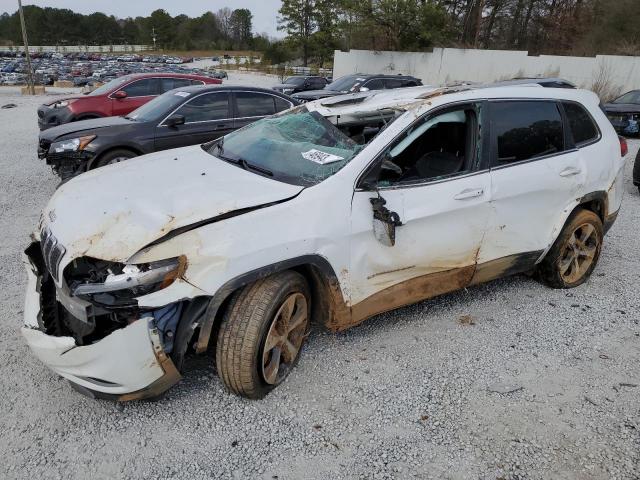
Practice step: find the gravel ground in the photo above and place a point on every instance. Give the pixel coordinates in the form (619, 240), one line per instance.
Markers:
(539, 384)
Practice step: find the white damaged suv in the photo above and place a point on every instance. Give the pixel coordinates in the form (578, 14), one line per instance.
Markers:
(328, 213)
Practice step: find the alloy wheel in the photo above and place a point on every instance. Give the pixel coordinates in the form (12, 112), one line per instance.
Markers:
(284, 338)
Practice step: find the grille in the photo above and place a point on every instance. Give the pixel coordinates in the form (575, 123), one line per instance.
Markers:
(52, 252)
(43, 148)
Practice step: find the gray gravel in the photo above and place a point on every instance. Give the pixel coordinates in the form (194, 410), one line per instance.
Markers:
(536, 384)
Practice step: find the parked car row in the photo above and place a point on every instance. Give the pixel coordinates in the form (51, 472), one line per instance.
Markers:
(87, 69)
(321, 213)
(185, 116)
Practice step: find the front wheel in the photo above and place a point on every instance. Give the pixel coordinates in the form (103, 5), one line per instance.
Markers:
(262, 333)
(114, 156)
(575, 253)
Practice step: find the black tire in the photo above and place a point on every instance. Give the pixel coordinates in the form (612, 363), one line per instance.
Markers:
(112, 156)
(636, 170)
(246, 324)
(562, 267)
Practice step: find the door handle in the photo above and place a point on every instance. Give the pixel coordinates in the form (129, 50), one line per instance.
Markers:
(469, 193)
(570, 171)
(221, 126)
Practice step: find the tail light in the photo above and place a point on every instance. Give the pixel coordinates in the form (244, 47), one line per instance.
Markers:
(624, 148)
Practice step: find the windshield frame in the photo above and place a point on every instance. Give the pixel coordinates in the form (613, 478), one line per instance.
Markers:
(109, 86)
(159, 100)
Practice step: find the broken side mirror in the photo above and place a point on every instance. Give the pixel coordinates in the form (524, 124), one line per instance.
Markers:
(384, 222)
(174, 120)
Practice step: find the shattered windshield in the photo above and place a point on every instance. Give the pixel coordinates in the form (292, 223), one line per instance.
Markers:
(299, 147)
(631, 97)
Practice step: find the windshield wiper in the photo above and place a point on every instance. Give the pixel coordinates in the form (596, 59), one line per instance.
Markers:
(242, 162)
(250, 166)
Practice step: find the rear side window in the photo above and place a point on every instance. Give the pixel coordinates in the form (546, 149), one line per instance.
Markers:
(318, 83)
(580, 123)
(252, 104)
(525, 130)
(167, 84)
(375, 84)
(281, 104)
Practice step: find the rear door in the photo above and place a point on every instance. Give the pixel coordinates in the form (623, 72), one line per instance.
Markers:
(207, 117)
(251, 106)
(138, 93)
(536, 174)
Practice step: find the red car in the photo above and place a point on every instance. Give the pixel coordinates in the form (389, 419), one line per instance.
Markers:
(117, 97)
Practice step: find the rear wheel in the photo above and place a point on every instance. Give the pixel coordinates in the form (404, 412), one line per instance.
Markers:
(262, 333)
(114, 156)
(575, 253)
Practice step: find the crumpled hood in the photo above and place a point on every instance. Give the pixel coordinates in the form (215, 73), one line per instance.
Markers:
(84, 127)
(112, 212)
(622, 108)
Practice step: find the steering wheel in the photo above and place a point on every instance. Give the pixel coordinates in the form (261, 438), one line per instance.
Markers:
(389, 165)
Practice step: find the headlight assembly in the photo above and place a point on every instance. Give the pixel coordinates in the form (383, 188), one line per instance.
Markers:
(63, 103)
(111, 283)
(72, 144)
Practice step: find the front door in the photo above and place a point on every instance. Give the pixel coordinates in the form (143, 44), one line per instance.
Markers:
(433, 183)
(138, 93)
(207, 117)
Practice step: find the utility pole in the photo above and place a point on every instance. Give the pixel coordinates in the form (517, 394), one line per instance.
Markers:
(26, 50)
(153, 36)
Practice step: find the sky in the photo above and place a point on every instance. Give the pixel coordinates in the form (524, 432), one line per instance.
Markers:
(265, 12)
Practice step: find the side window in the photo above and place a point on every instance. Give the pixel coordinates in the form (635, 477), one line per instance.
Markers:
(251, 104)
(523, 130)
(439, 146)
(394, 83)
(375, 84)
(205, 108)
(167, 84)
(281, 104)
(142, 88)
(580, 123)
(318, 83)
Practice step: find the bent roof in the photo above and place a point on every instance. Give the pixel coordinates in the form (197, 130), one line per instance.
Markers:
(414, 97)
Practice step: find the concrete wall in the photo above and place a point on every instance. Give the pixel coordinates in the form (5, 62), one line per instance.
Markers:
(449, 65)
(79, 48)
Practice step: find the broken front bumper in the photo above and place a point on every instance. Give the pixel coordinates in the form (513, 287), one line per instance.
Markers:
(128, 364)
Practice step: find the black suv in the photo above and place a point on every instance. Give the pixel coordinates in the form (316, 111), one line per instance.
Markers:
(178, 118)
(359, 82)
(300, 83)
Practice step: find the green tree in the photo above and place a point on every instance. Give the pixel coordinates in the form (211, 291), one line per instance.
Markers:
(298, 19)
(241, 24)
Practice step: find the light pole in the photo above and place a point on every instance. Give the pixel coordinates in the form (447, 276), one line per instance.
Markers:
(26, 50)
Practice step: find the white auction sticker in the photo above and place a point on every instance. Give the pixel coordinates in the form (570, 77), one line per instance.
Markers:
(182, 94)
(321, 157)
